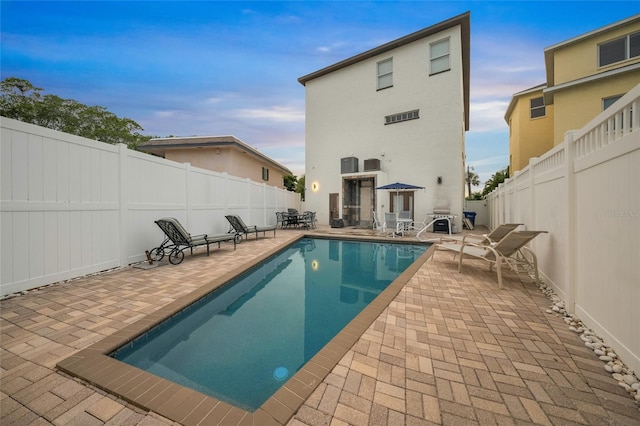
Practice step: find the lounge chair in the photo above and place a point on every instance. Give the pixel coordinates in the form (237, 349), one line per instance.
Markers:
(178, 240)
(510, 251)
(240, 228)
(491, 238)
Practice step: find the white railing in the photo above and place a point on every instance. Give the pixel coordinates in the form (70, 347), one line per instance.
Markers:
(585, 192)
(70, 206)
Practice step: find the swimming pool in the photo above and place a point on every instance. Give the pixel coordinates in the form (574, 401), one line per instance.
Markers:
(95, 366)
(242, 342)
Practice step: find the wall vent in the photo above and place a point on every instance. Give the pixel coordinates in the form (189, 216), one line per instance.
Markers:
(349, 165)
(371, 165)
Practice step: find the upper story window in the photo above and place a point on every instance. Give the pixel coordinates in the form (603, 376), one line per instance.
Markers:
(439, 57)
(538, 108)
(620, 49)
(265, 174)
(385, 73)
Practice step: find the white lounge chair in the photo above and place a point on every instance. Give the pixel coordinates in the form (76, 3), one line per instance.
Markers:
(491, 238)
(510, 251)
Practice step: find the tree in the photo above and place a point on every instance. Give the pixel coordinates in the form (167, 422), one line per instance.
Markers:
(471, 178)
(300, 187)
(290, 182)
(496, 179)
(22, 101)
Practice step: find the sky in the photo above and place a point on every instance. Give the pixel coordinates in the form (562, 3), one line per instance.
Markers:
(205, 68)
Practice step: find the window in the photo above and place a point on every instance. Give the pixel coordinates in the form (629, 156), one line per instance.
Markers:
(403, 116)
(607, 102)
(620, 49)
(385, 73)
(538, 108)
(265, 174)
(440, 57)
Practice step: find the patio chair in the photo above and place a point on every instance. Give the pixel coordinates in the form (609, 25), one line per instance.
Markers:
(392, 226)
(240, 228)
(282, 219)
(510, 251)
(178, 240)
(378, 226)
(308, 220)
(491, 238)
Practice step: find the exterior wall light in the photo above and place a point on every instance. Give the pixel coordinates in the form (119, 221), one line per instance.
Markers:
(439, 180)
(314, 186)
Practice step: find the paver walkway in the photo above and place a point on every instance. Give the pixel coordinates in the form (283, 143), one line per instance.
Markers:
(450, 349)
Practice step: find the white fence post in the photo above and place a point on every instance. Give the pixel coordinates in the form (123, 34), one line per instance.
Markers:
(187, 194)
(123, 256)
(532, 195)
(570, 221)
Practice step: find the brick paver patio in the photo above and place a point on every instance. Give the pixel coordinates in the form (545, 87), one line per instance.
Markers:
(450, 349)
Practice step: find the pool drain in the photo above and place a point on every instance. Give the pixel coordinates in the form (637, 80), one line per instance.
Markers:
(280, 373)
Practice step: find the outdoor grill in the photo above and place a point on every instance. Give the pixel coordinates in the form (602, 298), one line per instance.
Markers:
(442, 218)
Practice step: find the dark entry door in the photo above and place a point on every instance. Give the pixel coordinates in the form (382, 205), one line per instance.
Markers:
(333, 206)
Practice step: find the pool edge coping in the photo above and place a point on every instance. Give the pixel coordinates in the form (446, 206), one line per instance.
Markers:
(189, 407)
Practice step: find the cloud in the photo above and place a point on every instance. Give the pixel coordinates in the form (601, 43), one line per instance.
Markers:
(274, 113)
(487, 116)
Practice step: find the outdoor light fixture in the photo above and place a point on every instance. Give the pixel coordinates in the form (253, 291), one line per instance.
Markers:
(314, 186)
(439, 180)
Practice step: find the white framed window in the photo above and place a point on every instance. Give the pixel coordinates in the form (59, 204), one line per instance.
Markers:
(402, 116)
(619, 49)
(385, 73)
(538, 108)
(439, 57)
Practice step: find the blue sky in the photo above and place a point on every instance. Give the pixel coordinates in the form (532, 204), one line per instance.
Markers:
(220, 68)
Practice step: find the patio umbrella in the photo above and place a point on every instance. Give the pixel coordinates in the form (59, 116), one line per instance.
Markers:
(398, 186)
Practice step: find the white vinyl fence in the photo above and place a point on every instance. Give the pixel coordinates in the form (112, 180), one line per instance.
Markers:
(586, 194)
(71, 206)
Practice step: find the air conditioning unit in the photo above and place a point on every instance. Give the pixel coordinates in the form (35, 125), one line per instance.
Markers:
(349, 165)
(371, 165)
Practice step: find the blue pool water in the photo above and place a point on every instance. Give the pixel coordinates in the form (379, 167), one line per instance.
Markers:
(242, 342)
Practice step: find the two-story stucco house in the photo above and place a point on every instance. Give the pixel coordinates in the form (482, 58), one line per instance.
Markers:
(585, 75)
(395, 113)
(226, 154)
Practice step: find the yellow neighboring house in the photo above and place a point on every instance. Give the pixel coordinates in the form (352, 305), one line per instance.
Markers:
(219, 154)
(585, 75)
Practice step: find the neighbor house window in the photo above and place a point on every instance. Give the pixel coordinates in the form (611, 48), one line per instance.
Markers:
(538, 108)
(402, 116)
(385, 73)
(607, 102)
(440, 56)
(620, 49)
(265, 173)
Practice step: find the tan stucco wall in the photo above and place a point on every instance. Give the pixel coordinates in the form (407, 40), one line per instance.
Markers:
(234, 162)
(529, 137)
(580, 59)
(576, 106)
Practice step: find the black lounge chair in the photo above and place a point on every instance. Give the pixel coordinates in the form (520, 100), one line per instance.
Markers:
(178, 240)
(241, 229)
